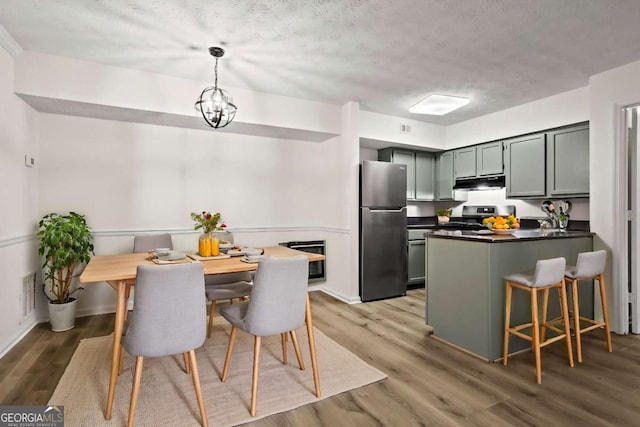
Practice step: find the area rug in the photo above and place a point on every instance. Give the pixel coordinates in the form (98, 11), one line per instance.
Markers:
(167, 397)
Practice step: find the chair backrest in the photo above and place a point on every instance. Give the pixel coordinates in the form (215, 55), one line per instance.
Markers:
(145, 243)
(170, 313)
(591, 264)
(549, 271)
(279, 295)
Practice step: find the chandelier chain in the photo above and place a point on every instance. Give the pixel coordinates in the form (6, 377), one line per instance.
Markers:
(216, 74)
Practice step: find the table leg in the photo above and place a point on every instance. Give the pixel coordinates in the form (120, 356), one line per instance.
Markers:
(312, 346)
(120, 287)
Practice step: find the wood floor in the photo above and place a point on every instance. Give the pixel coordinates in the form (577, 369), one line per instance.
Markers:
(429, 383)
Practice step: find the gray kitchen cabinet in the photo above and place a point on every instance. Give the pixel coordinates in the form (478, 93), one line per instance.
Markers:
(568, 162)
(445, 180)
(444, 176)
(464, 162)
(416, 261)
(489, 159)
(425, 174)
(420, 171)
(524, 162)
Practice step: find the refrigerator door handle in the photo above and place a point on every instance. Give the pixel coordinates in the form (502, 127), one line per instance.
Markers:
(386, 210)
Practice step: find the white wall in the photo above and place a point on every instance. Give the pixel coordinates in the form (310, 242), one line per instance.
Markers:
(555, 111)
(18, 211)
(609, 92)
(380, 130)
(129, 178)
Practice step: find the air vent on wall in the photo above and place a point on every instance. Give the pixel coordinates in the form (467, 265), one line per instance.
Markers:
(405, 128)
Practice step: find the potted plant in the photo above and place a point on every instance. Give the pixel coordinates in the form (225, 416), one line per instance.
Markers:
(65, 243)
(444, 214)
(208, 243)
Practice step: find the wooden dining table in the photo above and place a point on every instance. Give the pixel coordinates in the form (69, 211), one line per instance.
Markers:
(119, 271)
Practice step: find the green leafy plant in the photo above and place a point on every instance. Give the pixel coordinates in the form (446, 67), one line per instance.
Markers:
(207, 222)
(65, 243)
(444, 212)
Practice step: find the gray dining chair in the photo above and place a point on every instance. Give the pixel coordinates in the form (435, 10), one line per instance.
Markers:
(276, 306)
(145, 243)
(227, 286)
(168, 319)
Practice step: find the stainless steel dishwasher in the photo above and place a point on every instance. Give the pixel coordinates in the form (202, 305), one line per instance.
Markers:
(416, 258)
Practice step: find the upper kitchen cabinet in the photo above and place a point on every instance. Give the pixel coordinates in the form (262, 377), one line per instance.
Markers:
(568, 162)
(479, 160)
(420, 171)
(464, 163)
(524, 162)
(489, 159)
(445, 180)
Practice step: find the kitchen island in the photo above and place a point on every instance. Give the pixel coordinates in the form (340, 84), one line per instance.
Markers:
(466, 293)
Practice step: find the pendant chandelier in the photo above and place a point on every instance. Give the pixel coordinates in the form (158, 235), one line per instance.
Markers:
(215, 104)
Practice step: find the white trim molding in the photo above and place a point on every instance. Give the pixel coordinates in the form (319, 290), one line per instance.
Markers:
(11, 241)
(8, 43)
(130, 232)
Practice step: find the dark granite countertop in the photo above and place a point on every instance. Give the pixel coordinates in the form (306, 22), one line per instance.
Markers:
(518, 235)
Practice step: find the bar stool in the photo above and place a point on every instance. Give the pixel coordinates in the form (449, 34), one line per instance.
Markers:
(548, 274)
(590, 266)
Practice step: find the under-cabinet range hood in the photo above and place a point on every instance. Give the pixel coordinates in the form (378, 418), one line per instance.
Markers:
(482, 183)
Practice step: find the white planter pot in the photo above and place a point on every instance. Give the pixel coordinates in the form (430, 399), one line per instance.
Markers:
(62, 316)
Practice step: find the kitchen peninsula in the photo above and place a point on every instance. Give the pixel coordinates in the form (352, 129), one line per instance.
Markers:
(466, 292)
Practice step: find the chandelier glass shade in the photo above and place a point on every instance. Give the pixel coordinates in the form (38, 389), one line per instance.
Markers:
(215, 104)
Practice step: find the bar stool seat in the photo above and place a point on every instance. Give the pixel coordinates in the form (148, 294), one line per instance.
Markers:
(590, 266)
(548, 274)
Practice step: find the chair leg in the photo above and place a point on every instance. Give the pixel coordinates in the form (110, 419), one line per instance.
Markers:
(134, 390)
(507, 320)
(605, 311)
(565, 320)
(227, 360)
(212, 312)
(296, 347)
(196, 385)
(283, 338)
(187, 365)
(576, 318)
(535, 332)
(254, 382)
(545, 306)
(120, 360)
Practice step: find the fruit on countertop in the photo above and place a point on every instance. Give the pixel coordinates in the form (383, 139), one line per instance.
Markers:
(501, 222)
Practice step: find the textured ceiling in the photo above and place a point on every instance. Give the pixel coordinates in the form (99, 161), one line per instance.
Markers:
(385, 54)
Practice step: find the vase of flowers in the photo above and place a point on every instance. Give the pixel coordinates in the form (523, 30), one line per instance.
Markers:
(208, 244)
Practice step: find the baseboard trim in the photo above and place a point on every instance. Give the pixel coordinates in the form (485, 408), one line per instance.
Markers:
(337, 295)
(13, 342)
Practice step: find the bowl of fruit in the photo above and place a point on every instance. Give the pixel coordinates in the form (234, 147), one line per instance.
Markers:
(502, 224)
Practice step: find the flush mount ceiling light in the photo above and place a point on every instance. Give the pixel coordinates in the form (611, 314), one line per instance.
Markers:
(214, 104)
(438, 105)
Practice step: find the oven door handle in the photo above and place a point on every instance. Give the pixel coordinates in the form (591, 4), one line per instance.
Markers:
(306, 246)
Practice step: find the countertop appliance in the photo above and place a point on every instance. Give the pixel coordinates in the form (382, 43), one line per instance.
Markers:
(317, 269)
(383, 230)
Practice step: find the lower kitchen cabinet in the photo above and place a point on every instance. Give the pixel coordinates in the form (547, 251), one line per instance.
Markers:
(466, 291)
(416, 257)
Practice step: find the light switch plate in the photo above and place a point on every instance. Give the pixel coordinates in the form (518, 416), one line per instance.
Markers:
(29, 161)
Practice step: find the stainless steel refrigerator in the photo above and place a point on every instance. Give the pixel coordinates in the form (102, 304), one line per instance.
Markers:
(383, 230)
